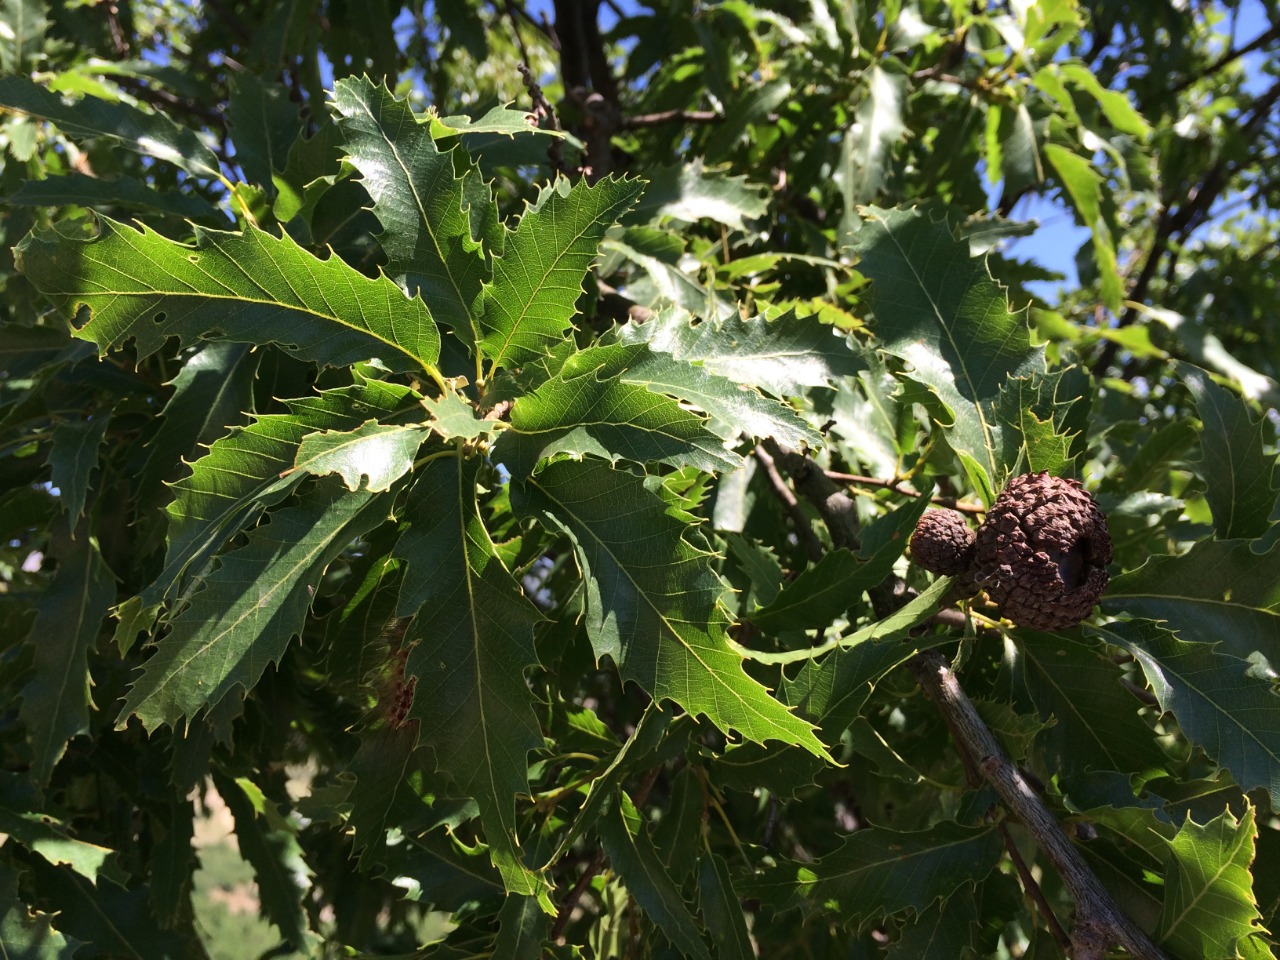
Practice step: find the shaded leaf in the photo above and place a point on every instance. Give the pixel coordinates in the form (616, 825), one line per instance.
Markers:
(836, 582)
(1209, 910)
(46, 835)
(276, 858)
(1218, 590)
(1095, 719)
(722, 910)
(426, 200)
(249, 287)
(538, 278)
(26, 933)
(55, 702)
(878, 872)
(382, 767)
(1235, 465)
(1219, 704)
(653, 600)
(264, 126)
(472, 642)
(85, 191)
(211, 393)
(249, 607)
(1042, 418)
(115, 922)
(522, 927)
(631, 853)
(940, 310)
(150, 134)
(74, 456)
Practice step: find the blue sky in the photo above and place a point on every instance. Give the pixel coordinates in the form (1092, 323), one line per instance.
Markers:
(1054, 245)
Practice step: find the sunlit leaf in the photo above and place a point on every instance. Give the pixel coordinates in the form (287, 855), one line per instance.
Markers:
(653, 599)
(939, 310)
(538, 278)
(249, 287)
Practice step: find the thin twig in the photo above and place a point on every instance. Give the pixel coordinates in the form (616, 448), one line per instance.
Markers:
(571, 901)
(669, 116)
(1099, 920)
(1257, 43)
(1032, 888)
(897, 486)
(804, 530)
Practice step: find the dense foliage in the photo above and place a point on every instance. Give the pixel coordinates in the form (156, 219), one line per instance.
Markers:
(476, 446)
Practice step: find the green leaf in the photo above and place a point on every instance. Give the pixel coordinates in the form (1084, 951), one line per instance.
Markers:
(653, 600)
(658, 253)
(382, 453)
(538, 278)
(878, 872)
(150, 134)
(454, 418)
(276, 857)
(499, 120)
(1095, 718)
(877, 128)
(1235, 465)
(722, 910)
(383, 768)
(242, 472)
(1209, 910)
(249, 607)
(210, 394)
(264, 126)
(739, 407)
(942, 932)
(55, 701)
(782, 355)
(86, 191)
(44, 834)
(427, 201)
(22, 39)
(940, 310)
(835, 583)
(1115, 104)
(26, 933)
(691, 193)
(1040, 418)
(73, 457)
(1084, 186)
(522, 927)
(1220, 706)
(631, 853)
(1218, 590)
(473, 642)
(248, 287)
(584, 411)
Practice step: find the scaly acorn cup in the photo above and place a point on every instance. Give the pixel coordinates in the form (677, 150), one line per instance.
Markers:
(1042, 552)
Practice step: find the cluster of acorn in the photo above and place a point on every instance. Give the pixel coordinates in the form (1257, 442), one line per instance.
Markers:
(1041, 554)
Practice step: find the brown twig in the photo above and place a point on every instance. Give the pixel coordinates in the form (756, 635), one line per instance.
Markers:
(897, 486)
(1099, 920)
(1032, 889)
(804, 530)
(597, 862)
(1183, 220)
(1229, 56)
(670, 116)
